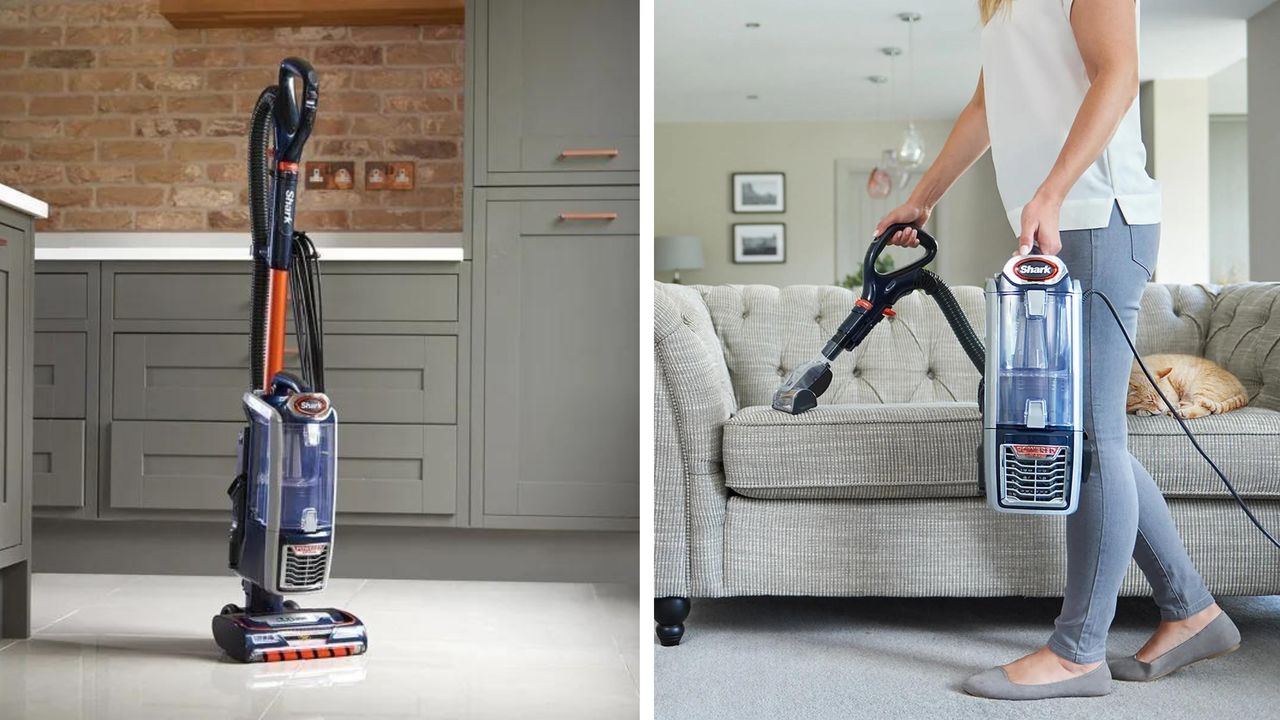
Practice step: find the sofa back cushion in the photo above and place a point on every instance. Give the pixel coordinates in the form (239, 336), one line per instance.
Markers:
(914, 357)
(1172, 318)
(766, 331)
(1244, 337)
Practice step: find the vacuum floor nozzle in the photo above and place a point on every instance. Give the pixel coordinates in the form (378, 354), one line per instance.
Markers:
(292, 634)
(799, 392)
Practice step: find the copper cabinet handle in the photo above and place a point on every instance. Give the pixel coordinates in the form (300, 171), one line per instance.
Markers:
(605, 216)
(589, 153)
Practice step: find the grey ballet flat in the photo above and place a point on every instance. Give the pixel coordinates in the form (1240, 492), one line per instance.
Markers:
(1220, 637)
(996, 685)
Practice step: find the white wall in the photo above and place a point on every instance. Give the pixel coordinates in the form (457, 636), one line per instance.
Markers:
(693, 162)
(1264, 144)
(1228, 198)
(1176, 129)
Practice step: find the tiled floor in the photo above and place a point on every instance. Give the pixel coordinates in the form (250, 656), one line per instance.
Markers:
(139, 647)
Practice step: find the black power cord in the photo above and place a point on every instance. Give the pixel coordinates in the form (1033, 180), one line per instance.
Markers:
(308, 312)
(1181, 423)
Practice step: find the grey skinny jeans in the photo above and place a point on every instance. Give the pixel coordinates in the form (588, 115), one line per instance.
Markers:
(1122, 514)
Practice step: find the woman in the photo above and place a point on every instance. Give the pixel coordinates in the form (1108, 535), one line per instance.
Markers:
(1057, 104)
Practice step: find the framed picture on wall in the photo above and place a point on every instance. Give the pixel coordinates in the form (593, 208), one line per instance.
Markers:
(759, 243)
(759, 192)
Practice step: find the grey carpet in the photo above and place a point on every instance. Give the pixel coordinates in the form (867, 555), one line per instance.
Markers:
(893, 658)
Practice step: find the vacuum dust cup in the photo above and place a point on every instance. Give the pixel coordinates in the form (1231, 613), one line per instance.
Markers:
(1033, 434)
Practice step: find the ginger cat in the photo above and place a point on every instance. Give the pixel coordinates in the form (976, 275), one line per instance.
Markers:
(1198, 387)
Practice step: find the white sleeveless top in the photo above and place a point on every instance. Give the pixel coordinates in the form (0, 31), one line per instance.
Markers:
(1035, 82)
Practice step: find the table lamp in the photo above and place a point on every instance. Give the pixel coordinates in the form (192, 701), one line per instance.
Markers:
(677, 252)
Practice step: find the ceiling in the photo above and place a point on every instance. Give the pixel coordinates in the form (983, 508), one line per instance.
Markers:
(809, 59)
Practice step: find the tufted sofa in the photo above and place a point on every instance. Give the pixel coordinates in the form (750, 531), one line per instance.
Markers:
(874, 492)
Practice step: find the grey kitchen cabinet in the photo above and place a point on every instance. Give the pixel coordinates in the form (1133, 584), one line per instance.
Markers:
(175, 361)
(556, 92)
(17, 400)
(65, 448)
(560, 417)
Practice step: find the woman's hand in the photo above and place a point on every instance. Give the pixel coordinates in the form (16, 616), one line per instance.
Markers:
(1040, 224)
(909, 212)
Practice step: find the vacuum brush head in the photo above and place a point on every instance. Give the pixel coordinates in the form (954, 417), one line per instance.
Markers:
(800, 390)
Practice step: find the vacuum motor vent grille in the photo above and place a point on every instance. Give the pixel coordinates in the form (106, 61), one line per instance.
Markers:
(304, 570)
(1034, 479)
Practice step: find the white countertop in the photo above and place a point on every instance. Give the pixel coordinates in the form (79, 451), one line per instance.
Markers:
(23, 202)
(360, 246)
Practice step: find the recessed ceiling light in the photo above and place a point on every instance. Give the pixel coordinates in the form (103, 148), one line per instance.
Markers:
(753, 25)
(753, 97)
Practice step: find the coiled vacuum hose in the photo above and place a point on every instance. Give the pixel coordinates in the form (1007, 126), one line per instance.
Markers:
(260, 130)
(969, 341)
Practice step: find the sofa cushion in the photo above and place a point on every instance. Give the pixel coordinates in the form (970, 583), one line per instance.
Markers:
(924, 450)
(854, 451)
(1244, 443)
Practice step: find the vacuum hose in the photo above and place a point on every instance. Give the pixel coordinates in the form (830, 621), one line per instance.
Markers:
(969, 340)
(260, 130)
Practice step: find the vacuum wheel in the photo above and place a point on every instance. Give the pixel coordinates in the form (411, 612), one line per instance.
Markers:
(291, 605)
(230, 609)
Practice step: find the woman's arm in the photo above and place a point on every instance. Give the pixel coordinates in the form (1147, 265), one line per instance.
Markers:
(1107, 35)
(966, 143)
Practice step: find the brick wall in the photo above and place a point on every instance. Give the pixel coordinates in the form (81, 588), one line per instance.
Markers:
(121, 122)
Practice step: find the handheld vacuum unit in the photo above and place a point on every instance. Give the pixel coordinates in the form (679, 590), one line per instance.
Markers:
(283, 499)
(1033, 449)
(1032, 427)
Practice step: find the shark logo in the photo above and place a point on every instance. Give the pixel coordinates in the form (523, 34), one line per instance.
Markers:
(1036, 269)
(288, 206)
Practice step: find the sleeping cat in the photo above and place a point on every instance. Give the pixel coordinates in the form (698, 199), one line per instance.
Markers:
(1197, 386)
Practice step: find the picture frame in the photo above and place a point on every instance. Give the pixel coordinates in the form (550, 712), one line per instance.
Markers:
(760, 242)
(759, 192)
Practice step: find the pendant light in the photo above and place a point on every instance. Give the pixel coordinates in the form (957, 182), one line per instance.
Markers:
(889, 158)
(881, 181)
(911, 150)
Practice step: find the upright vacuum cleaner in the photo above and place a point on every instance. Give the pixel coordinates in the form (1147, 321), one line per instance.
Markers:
(283, 499)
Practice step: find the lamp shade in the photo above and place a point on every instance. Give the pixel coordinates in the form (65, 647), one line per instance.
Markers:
(677, 252)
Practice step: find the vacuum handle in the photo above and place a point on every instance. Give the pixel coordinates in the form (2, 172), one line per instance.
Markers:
(294, 120)
(878, 245)
(879, 291)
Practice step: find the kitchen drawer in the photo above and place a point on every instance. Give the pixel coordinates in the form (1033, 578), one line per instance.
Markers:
(579, 217)
(60, 374)
(371, 378)
(402, 469)
(62, 296)
(355, 297)
(57, 476)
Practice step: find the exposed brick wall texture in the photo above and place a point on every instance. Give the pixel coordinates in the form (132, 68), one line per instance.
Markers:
(121, 122)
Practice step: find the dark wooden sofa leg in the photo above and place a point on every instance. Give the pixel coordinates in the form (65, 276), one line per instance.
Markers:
(669, 613)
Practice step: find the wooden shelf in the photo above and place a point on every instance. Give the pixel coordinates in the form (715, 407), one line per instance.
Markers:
(290, 13)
